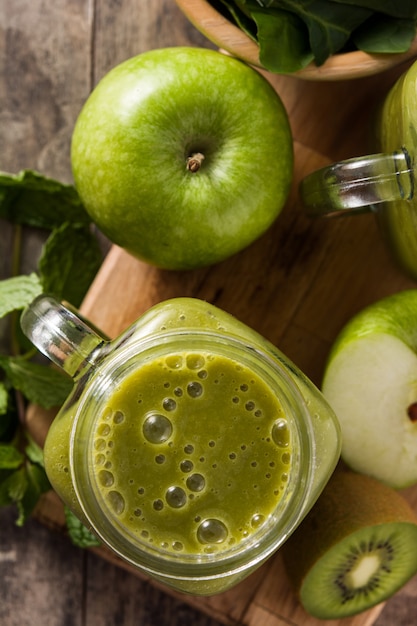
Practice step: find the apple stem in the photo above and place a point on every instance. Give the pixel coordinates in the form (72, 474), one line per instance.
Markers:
(195, 161)
(412, 412)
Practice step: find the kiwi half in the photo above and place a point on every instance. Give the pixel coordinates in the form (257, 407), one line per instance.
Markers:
(355, 549)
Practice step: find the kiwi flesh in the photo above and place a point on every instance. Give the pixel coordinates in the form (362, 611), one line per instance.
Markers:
(355, 549)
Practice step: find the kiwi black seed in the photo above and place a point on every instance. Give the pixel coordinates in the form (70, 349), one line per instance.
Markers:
(355, 549)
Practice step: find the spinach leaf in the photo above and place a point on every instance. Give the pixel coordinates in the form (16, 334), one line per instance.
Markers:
(329, 24)
(381, 34)
(283, 40)
(238, 12)
(406, 9)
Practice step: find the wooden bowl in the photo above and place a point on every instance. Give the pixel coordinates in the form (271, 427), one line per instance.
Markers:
(225, 35)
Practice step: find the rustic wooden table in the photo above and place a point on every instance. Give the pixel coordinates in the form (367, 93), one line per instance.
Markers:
(51, 55)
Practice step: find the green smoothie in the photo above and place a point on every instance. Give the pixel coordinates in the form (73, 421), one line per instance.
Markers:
(190, 444)
(192, 452)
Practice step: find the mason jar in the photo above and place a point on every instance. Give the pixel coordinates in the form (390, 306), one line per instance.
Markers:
(190, 445)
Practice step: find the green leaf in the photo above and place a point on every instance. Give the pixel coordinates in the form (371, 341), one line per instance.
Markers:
(18, 292)
(34, 452)
(329, 24)
(385, 35)
(4, 399)
(8, 417)
(10, 457)
(239, 13)
(37, 484)
(12, 488)
(32, 199)
(40, 384)
(406, 9)
(69, 262)
(283, 40)
(79, 534)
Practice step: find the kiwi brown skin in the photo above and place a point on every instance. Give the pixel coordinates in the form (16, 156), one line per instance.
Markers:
(352, 511)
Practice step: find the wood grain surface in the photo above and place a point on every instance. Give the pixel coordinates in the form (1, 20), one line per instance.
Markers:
(297, 286)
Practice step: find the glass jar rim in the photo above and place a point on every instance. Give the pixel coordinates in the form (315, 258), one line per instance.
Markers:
(261, 543)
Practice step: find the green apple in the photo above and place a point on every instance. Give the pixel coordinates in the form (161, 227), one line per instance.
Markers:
(183, 156)
(370, 381)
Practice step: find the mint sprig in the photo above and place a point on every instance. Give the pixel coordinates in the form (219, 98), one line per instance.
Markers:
(68, 261)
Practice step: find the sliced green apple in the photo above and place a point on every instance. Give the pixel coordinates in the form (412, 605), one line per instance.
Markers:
(371, 382)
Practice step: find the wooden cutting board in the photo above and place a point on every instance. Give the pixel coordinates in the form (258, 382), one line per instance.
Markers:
(297, 285)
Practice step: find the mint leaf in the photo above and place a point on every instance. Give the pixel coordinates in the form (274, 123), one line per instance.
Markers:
(79, 534)
(10, 457)
(34, 452)
(69, 262)
(8, 418)
(37, 484)
(18, 292)
(13, 487)
(41, 385)
(4, 399)
(32, 199)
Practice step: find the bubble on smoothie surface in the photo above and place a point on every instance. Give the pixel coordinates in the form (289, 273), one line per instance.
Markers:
(280, 433)
(157, 428)
(194, 389)
(212, 531)
(118, 417)
(174, 362)
(195, 361)
(186, 466)
(176, 497)
(100, 459)
(169, 404)
(257, 520)
(196, 482)
(116, 502)
(103, 430)
(106, 478)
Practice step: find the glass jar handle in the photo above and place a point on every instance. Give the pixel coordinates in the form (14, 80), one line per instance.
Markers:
(60, 335)
(355, 185)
